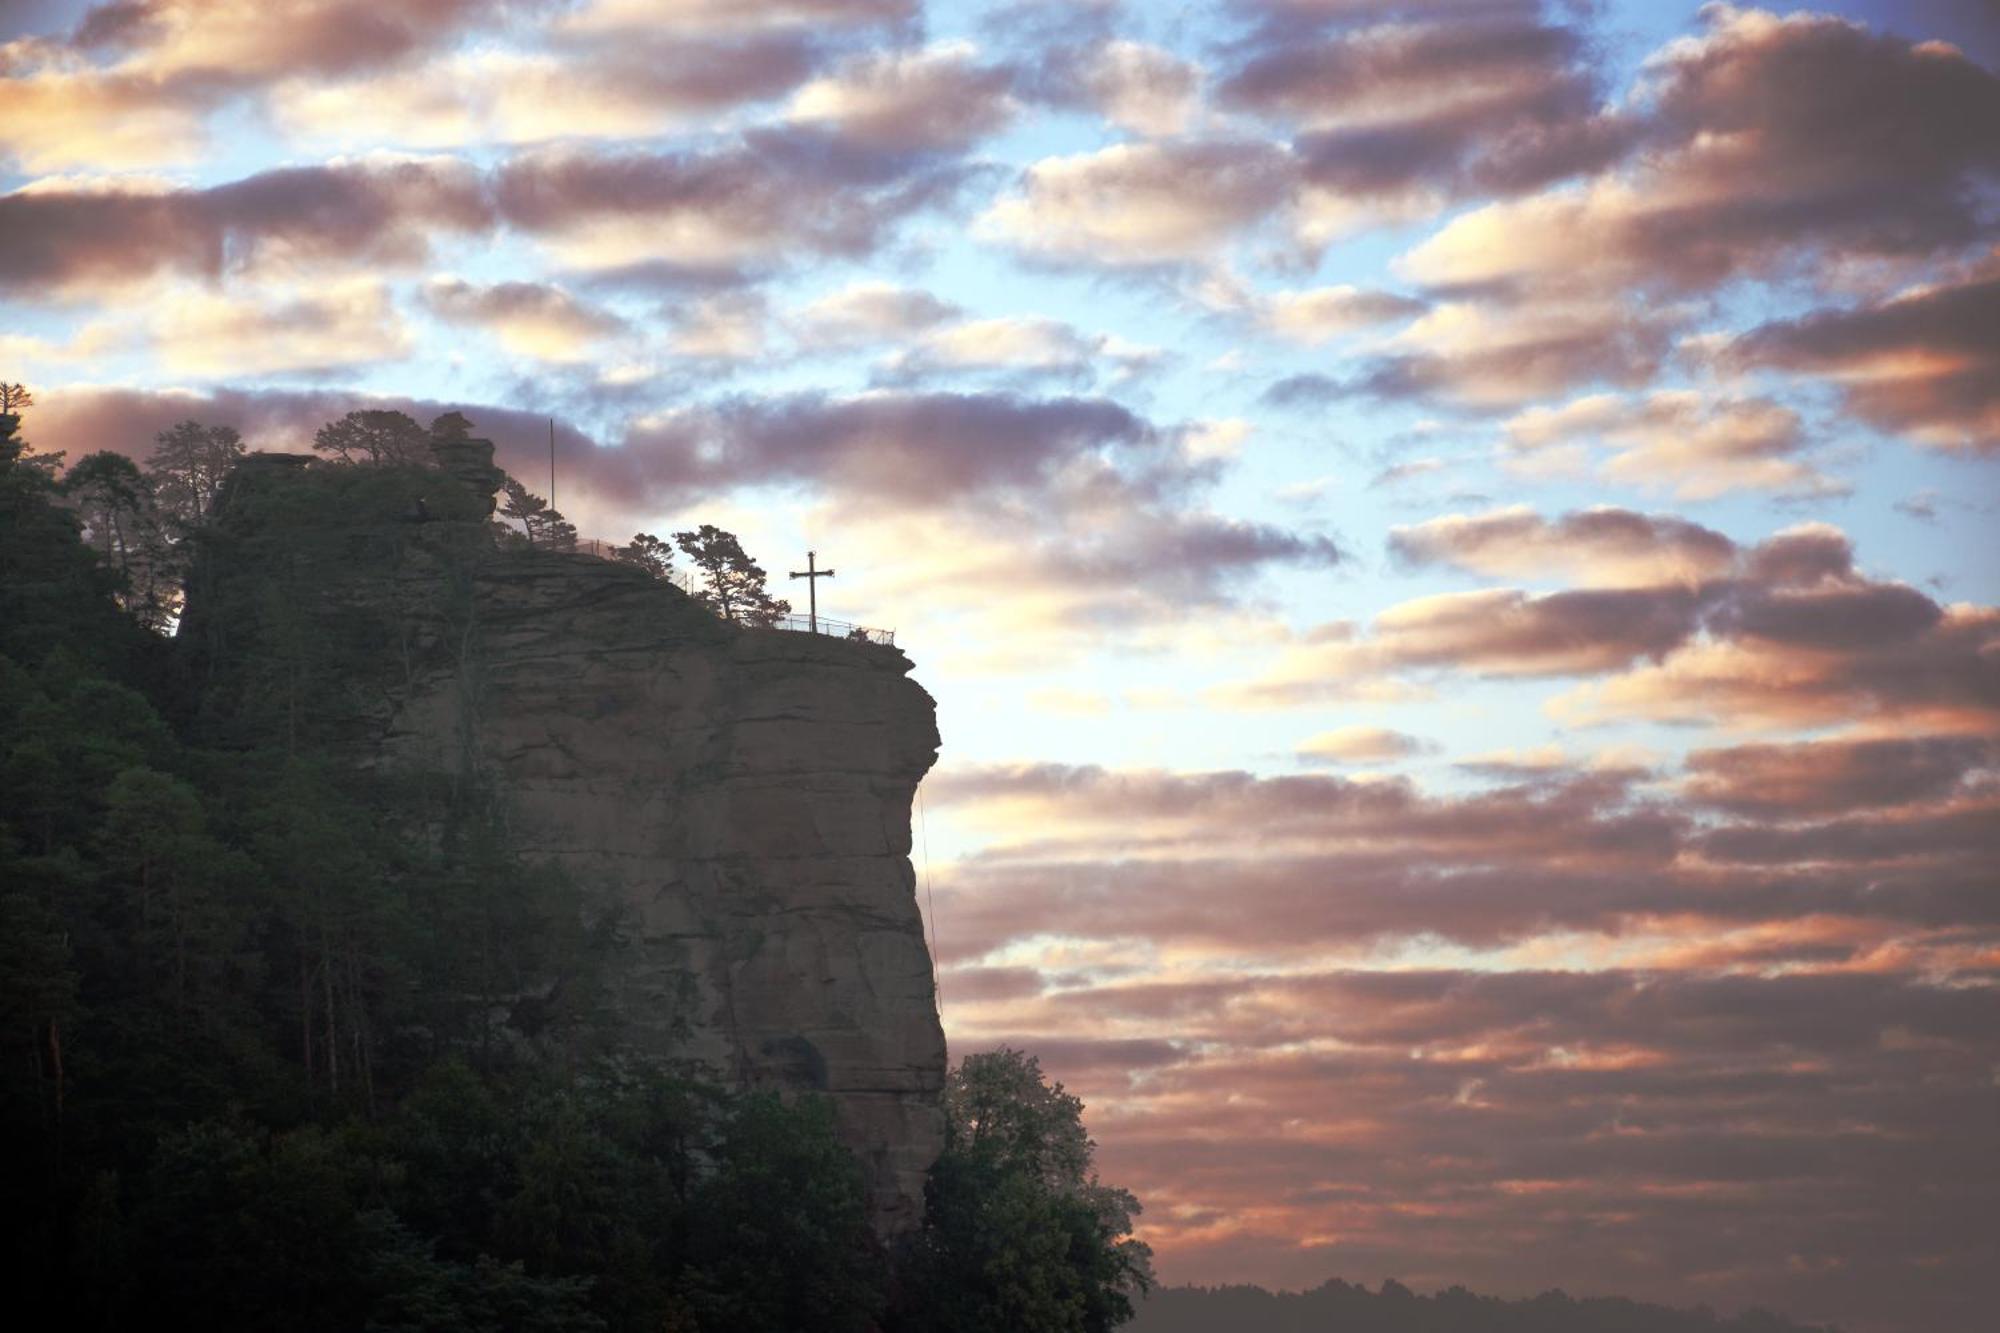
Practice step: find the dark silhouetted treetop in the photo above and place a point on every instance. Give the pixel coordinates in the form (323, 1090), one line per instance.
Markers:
(732, 584)
(375, 435)
(123, 522)
(188, 466)
(55, 594)
(14, 447)
(542, 527)
(648, 553)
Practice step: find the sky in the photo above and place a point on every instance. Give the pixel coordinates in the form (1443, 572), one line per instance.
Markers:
(1452, 541)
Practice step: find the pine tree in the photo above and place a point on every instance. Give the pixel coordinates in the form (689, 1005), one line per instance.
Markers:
(732, 583)
(648, 553)
(188, 467)
(544, 528)
(375, 436)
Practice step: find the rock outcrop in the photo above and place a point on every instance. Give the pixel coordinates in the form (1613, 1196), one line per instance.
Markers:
(740, 798)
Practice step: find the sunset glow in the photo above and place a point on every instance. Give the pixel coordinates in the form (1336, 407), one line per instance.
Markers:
(1454, 541)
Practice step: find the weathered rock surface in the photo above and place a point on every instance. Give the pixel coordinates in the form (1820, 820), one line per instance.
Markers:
(742, 796)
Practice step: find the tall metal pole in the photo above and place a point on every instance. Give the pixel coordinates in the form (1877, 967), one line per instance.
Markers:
(552, 462)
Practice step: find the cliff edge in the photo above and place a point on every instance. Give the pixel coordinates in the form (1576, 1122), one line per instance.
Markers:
(737, 801)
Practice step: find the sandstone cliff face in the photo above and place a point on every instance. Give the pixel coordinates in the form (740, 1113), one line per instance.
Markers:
(740, 797)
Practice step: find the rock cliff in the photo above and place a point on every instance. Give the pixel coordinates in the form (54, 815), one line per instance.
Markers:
(738, 800)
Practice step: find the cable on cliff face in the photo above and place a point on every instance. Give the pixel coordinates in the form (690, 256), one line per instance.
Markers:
(930, 905)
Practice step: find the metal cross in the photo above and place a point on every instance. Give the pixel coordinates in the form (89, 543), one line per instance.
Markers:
(811, 576)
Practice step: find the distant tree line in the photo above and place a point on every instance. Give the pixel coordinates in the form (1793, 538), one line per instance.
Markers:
(287, 1045)
(1341, 1307)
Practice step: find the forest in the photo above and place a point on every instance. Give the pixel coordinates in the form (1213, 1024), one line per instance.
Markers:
(279, 1050)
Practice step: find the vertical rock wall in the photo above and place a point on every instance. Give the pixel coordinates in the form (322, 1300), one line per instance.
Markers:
(742, 797)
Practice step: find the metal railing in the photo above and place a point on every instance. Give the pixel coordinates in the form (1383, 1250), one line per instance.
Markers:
(838, 629)
(795, 621)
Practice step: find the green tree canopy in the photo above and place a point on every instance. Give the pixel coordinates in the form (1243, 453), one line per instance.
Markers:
(1020, 1234)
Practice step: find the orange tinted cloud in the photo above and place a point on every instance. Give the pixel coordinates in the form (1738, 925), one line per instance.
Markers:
(1926, 362)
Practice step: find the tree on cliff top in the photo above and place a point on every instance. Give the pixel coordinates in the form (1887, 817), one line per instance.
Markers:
(374, 435)
(732, 583)
(649, 553)
(188, 467)
(544, 528)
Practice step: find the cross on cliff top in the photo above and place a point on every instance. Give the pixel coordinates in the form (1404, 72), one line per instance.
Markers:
(812, 577)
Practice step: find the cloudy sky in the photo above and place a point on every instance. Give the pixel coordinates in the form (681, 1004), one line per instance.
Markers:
(1453, 541)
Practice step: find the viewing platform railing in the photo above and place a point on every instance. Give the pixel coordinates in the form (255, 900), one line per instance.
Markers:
(798, 622)
(838, 629)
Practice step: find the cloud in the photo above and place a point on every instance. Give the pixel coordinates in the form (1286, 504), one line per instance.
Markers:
(1315, 315)
(1902, 660)
(1441, 1033)
(1604, 547)
(1411, 114)
(137, 91)
(1141, 88)
(623, 17)
(870, 312)
(934, 99)
(1769, 140)
(1359, 745)
(1055, 520)
(1926, 362)
(1790, 634)
(1837, 777)
(531, 319)
(915, 448)
(1142, 204)
(374, 213)
(1689, 443)
(1501, 1129)
(141, 90)
(741, 208)
(767, 201)
(343, 324)
(1501, 632)
(726, 326)
(1019, 345)
(635, 84)
(1482, 355)
(1305, 868)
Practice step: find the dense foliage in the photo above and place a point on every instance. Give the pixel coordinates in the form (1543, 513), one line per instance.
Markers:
(1020, 1233)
